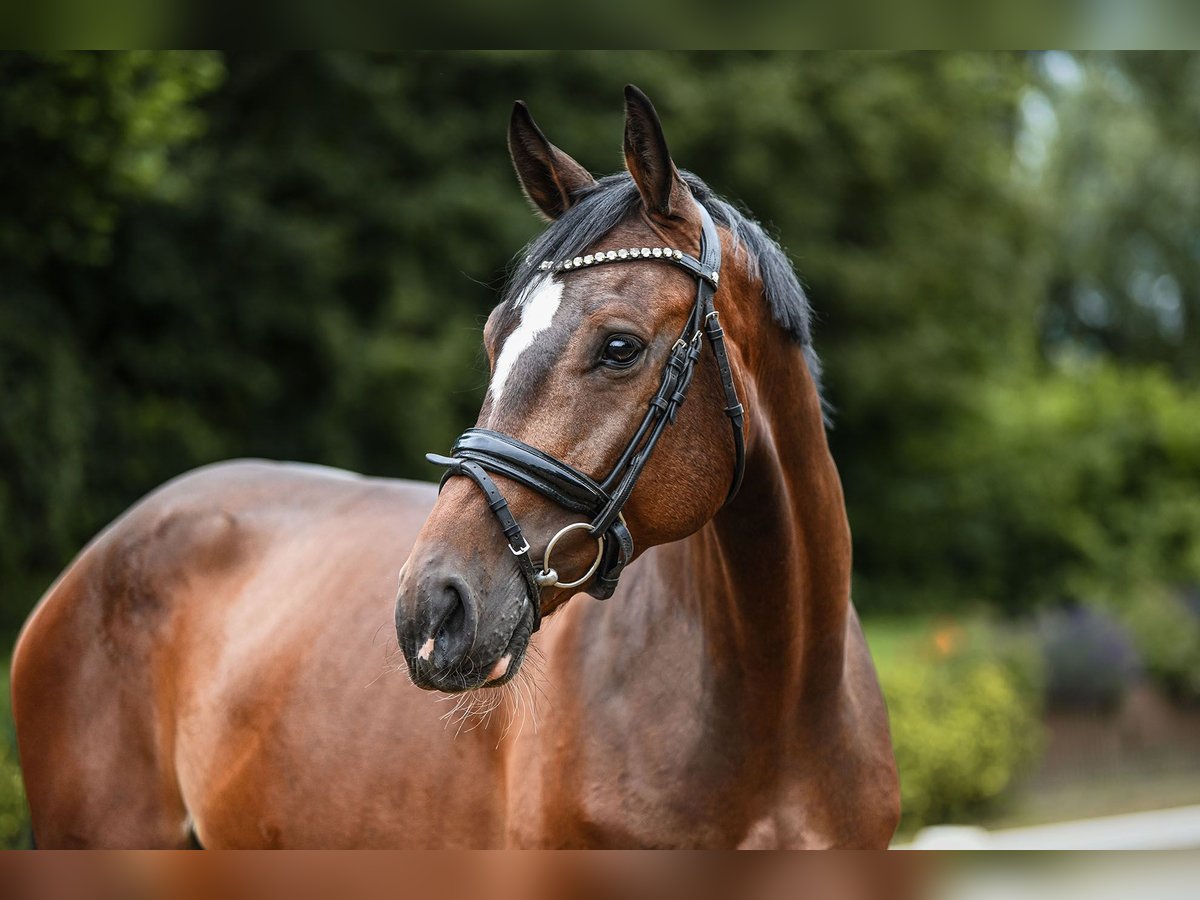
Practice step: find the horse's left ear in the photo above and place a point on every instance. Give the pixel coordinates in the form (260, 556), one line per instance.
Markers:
(649, 161)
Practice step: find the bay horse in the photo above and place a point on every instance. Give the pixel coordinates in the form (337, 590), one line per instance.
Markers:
(209, 667)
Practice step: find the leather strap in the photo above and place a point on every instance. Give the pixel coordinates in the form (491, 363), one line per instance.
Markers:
(733, 406)
(508, 523)
(515, 459)
(618, 551)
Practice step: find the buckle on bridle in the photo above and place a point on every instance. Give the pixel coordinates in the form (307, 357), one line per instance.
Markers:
(522, 551)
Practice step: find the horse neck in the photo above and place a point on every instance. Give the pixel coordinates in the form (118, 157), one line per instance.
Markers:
(774, 594)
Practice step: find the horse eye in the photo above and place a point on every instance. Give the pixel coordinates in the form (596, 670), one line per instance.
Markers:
(621, 351)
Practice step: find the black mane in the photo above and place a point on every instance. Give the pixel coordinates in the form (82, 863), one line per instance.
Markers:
(615, 198)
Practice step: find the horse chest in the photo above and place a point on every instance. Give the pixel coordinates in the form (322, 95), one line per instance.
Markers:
(623, 778)
(632, 804)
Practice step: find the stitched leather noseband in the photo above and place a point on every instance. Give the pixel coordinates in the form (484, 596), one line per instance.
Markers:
(480, 451)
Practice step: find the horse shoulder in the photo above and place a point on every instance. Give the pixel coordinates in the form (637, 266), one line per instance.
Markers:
(841, 787)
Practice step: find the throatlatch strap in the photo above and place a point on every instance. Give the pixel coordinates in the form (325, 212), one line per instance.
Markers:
(733, 406)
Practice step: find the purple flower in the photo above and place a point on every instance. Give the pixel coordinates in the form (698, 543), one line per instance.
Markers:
(1090, 659)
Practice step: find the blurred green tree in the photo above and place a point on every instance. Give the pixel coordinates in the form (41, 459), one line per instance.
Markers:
(1124, 172)
(83, 139)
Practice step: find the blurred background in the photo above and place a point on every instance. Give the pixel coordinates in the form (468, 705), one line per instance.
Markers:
(291, 255)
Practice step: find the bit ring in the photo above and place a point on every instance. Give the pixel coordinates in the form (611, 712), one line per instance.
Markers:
(549, 578)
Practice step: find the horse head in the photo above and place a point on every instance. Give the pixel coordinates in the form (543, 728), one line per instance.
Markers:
(584, 445)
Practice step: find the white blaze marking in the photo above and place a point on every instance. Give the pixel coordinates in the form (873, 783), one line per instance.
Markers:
(500, 669)
(538, 306)
(426, 650)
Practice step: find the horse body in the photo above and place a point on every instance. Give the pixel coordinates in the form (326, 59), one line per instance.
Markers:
(216, 662)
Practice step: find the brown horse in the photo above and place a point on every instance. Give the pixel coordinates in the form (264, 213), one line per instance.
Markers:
(210, 666)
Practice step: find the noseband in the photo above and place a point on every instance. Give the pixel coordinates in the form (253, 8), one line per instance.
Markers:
(479, 451)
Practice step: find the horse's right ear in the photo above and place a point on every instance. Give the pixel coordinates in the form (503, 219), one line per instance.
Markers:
(550, 179)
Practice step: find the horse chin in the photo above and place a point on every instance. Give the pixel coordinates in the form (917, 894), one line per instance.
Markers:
(508, 663)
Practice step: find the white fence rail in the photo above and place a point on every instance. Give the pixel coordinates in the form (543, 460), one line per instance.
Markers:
(1162, 829)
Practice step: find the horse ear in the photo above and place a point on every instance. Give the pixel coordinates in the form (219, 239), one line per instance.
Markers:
(649, 160)
(550, 178)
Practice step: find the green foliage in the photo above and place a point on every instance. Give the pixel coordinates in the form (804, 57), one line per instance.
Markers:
(1084, 482)
(964, 710)
(1124, 176)
(14, 814)
(84, 139)
(1167, 633)
(82, 134)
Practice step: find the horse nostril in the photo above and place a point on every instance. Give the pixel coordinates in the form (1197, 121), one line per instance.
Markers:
(452, 637)
(455, 622)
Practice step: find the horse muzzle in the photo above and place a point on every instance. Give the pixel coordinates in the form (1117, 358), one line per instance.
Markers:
(452, 641)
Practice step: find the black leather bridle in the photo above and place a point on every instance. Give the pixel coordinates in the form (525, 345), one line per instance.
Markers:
(479, 451)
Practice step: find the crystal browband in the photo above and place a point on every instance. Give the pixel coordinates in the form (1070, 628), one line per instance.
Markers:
(625, 253)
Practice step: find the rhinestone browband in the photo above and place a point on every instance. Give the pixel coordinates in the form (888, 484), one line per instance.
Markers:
(605, 256)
